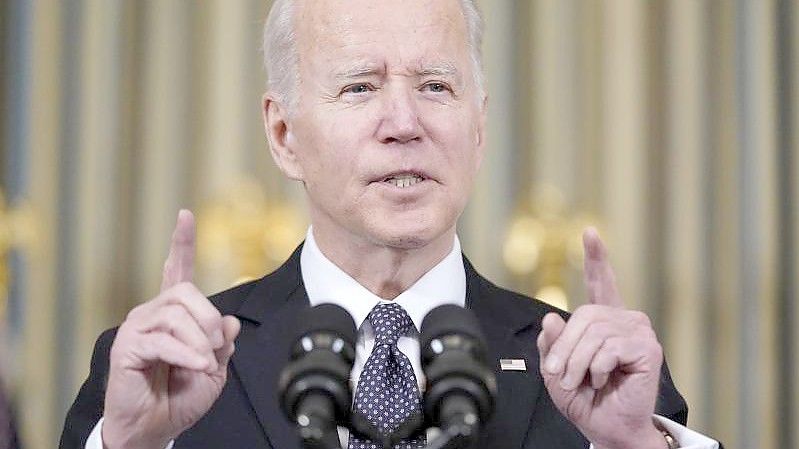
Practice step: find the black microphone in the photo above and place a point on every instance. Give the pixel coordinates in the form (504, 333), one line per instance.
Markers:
(461, 388)
(314, 387)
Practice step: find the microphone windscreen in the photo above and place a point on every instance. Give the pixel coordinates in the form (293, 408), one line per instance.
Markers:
(326, 318)
(450, 319)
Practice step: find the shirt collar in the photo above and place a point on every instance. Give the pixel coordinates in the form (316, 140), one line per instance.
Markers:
(325, 282)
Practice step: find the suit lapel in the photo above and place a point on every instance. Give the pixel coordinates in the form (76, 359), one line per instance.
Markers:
(504, 323)
(268, 316)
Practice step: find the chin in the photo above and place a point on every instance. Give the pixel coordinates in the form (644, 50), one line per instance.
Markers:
(410, 234)
(408, 242)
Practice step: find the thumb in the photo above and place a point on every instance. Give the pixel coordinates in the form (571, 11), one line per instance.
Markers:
(600, 281)
(230, 330)
(179, 265)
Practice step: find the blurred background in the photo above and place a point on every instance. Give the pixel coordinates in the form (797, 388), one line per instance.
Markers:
(672, 125)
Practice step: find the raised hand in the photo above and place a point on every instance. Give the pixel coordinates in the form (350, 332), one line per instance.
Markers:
(169, 359)
(602, 367)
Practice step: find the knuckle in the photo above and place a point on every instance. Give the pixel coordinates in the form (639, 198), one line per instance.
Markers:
(556, 347)
(551, 322)
(590, 312)
(210, 322)
(549, 317)
(132, 315)
(598, 367)
(203, 346)
(197, 305)
(611, 347)
(640, 318)
(172, 316)
(645, 335)
(600, 370)
(602, 365)
(581, 313)
(559, 350)
(656, 349)
(208, 315)
(214, 318)
(588, 316)
(598, 329)
(154, 342)
(577, 365)
(183, 289)
(121, 339)
(138, 312)
(184, 293)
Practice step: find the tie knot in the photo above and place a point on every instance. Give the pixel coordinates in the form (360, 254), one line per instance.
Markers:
(389, 322)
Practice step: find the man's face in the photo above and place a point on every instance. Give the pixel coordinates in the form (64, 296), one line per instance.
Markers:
(388, 129)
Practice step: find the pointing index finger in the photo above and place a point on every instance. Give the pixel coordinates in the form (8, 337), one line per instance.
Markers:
(179, 265)
(600, 281)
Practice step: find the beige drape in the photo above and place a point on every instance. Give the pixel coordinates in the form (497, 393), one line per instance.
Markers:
(673, 125)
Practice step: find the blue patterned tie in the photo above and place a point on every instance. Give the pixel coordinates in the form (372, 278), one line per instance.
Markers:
(387, 392)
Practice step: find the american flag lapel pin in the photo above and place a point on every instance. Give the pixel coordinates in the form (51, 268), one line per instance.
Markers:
(512, 365)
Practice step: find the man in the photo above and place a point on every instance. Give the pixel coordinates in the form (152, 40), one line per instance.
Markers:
(377, 107)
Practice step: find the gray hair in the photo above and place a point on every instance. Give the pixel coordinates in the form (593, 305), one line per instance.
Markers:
(281, 60)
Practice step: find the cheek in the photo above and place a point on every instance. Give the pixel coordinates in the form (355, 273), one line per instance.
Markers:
(330, 159)
(457, 140)
(344, 130)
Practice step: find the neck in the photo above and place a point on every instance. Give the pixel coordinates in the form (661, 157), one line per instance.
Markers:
(382, 269)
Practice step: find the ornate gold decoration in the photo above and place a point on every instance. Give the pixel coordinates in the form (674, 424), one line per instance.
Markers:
(17, 230)
(544, 244)
(242, 234)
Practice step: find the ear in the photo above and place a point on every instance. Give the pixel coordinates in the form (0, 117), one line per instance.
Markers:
(480, 134)
(281, 141)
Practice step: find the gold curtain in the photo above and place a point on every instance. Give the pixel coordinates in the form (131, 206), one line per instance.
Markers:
(670, 124)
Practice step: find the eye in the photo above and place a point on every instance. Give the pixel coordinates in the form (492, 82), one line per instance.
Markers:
(360, 88)
(436, 87)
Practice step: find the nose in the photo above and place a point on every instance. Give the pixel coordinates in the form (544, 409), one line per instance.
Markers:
(400, 121)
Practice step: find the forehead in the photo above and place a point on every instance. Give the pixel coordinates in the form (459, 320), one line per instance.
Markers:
(414, 32)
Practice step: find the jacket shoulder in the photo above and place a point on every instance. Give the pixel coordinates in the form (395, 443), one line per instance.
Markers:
(531, 304)
(228, 301)
(268, 291)
(510, 309)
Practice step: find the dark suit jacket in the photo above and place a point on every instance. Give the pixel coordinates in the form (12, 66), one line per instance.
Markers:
(247, 413)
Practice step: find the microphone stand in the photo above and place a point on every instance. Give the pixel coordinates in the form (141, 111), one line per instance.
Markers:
(317, 429)
(456, 436)
(459, 434)
(449, 439)
(461, 427)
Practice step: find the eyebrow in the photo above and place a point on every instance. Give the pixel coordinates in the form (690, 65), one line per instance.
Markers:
(359, 71)
(442, 69)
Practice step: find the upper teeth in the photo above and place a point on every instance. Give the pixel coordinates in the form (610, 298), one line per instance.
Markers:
(404, 180)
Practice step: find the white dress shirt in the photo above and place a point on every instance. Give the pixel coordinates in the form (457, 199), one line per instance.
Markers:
(445, 283)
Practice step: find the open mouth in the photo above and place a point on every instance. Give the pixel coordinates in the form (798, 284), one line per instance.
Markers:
(404, 180)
